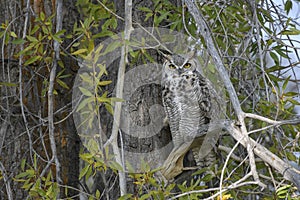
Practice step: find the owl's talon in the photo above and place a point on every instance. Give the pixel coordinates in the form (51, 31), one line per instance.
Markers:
(166, 121)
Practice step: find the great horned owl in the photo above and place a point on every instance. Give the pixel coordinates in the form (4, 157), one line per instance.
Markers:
(187, 102)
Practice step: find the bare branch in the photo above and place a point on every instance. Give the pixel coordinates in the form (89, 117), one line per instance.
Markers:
(6, 182)
(50, 93)
(119, 94)
(237, 184)
(214, 52)
(21, 82)
(289, 173)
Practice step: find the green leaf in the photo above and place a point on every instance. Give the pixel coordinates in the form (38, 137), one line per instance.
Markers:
(31, 39)
(103, 99)
(32, 60)
(18, 41)
(288, 6)
(28, 173)
(84, 171)
(293, 101)
(8, 84)
(76, 44)
(35, 28)
(57, 38)
(116, 166)
(13, 34)
(21, 175)
(97, 194)
(274, 57)
(145, 9)
(84, 103)
(86, 92)
(112, 47)
(286, 81)
(86, 78)
(282, 192)
(145, 196)
(109, 108)
(291, 94)
(292, 31)
(125, 197)
(281, 52)
(79, 51)
(42, 16)
(148, 15)
(50, 191)
(23, 162)
(59, 33)
(25, 50)
(86, 156)
(104, 33)
(161, 18)
(103, 83)
(62, 84)
(27, 186)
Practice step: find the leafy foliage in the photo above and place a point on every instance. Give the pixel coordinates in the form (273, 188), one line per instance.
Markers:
(254, 41)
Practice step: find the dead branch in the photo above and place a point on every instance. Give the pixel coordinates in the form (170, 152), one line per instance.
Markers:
(173, 166)
(289, 173)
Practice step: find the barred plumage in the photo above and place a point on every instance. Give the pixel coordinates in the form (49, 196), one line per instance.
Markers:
(187, 102)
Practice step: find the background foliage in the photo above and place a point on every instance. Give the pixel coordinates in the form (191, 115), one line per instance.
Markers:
(256, 40)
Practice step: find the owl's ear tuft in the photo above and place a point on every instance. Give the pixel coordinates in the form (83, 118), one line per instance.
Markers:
(165, 53)
(190, 54)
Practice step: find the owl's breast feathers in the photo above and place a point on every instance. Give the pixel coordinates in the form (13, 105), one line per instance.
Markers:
(187, 103)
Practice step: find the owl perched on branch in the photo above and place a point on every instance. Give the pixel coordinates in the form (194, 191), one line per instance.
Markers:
(187, 99)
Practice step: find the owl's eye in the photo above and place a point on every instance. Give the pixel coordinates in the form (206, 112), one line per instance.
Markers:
(187, 65)
(171, 66)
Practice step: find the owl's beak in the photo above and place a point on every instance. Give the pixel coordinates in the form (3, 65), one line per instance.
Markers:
(180, 71)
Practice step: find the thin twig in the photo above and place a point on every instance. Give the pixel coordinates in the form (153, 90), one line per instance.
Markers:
(236, 184)
(6, 182)
(21, 83)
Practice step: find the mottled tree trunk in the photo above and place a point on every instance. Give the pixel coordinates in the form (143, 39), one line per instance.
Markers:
(14, 143)
(15, 132)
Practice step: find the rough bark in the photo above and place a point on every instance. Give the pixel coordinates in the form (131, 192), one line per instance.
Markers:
(14, 141)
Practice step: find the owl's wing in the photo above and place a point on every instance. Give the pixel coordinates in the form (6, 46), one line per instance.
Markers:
(203, 93)
(172, 111)
(204, 151)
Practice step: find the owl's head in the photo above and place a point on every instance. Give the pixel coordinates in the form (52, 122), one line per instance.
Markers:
(180, 64)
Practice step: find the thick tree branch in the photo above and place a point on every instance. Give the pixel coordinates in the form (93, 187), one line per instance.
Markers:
(173, 166)
(288, 172)
(214, 52)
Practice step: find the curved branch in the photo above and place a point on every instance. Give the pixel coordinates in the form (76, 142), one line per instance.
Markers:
(289, 173)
